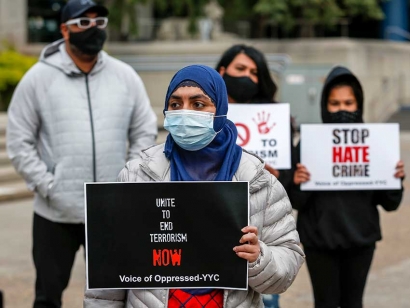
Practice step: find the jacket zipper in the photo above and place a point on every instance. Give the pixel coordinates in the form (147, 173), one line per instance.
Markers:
(166, 298)
(92, 127)
(151, 174)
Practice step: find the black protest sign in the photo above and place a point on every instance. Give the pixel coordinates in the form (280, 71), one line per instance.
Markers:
(165, 235)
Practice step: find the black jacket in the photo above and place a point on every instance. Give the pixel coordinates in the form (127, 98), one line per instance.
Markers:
(340, 219)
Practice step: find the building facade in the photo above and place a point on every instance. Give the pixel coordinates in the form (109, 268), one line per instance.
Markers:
(13, 22)
(32, 21)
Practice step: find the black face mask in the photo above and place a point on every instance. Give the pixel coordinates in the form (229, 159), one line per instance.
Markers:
(343, 117)
(241, 89)
(90, 41)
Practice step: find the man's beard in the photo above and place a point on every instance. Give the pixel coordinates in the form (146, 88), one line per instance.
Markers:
(81, 55)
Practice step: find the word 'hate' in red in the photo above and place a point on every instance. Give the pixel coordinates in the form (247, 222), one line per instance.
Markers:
(352, 154)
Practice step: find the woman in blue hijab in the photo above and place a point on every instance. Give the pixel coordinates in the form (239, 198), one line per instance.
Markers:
(204, 146)
(201, 146)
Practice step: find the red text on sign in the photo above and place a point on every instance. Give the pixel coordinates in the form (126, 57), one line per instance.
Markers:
(165, 257)
(351, 154)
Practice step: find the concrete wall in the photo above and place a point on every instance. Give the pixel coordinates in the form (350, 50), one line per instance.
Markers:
(383, 67)
(13, 22)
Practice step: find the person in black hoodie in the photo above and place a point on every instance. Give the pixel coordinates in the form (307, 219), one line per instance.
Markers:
(339, 229)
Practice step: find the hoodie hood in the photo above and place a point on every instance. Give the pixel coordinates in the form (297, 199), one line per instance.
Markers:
(55, 55)
(337, 75)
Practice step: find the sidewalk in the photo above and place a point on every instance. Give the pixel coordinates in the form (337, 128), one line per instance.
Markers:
(387, 284)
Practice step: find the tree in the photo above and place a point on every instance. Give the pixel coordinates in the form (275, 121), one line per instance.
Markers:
(190, 8)
(316, 12)
(123, 16)
(123, 13)
(287, 13)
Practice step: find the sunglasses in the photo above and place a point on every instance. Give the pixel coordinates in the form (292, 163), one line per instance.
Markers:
(85, 22)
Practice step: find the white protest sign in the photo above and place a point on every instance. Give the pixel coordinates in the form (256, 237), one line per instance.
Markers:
(350, 156)
(264, 129)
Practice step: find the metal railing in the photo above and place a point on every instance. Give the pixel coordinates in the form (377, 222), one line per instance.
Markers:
(276, 62)
(343, 23)
(396, 30)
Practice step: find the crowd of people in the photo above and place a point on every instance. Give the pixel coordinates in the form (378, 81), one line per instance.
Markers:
(79, 115)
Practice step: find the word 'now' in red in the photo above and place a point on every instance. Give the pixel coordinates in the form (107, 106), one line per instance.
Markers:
(165, 257)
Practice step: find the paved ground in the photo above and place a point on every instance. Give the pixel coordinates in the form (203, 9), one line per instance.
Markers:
(388, 284)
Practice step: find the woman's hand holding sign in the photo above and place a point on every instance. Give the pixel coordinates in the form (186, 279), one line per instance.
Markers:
(250, 248)
(301, 174)
(400, 170)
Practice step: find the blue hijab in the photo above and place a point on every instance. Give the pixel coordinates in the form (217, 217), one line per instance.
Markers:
(219, 160)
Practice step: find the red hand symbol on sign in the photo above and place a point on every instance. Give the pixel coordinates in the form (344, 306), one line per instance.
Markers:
(262, 123)
(243, 134)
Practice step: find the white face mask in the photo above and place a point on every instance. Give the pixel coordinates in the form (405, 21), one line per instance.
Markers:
(191, 130)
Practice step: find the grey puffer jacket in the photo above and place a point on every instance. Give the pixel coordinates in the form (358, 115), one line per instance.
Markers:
(271, 212)
(66, 128)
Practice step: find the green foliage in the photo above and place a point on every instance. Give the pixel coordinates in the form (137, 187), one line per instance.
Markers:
(238, 9)
(121, 11)
(190, 8)
(13, 66)
(125, 9)
(279, 11)
(286, 13)
(323, 12)
(368, 8)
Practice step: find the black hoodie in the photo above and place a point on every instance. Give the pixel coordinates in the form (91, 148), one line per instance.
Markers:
(340, 219)
(337, 75)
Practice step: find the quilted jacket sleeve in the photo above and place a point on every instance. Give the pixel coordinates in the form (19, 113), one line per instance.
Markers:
(113, 298)
(281, 256)
(23, 128)
(124, 175)
(104, 298)
(143, 126)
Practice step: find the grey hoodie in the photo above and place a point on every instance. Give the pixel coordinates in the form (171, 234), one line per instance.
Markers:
(66, 128)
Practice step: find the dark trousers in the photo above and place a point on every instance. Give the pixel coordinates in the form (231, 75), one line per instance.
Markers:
(54, 249)
(339, 276)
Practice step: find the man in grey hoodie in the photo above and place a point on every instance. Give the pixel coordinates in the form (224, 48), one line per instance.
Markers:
(69, 122)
